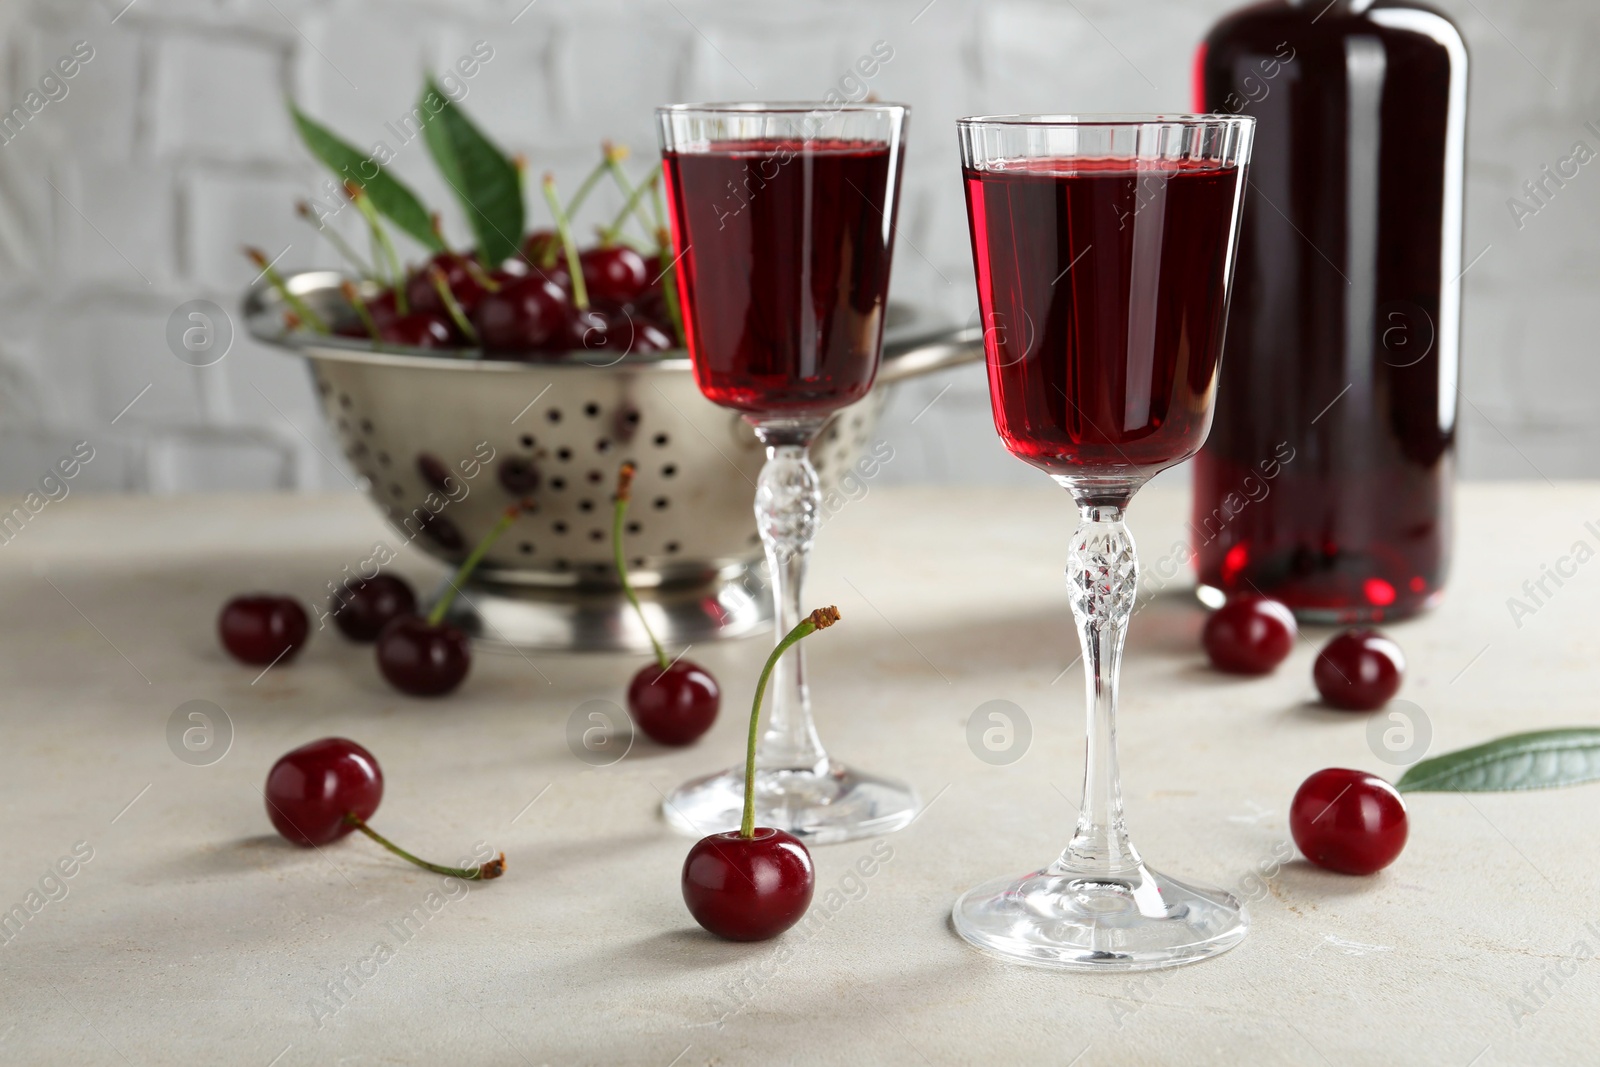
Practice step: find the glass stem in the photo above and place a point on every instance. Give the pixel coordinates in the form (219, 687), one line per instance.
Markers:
(1103, 578)
(788, 503)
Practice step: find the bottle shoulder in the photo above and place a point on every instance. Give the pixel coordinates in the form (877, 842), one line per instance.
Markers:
(1314, 20)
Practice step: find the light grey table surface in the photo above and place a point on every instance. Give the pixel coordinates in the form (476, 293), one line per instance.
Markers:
(193, 935)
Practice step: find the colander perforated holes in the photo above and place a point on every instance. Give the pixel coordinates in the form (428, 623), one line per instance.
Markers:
(366, 426)
(671, 547)
(597, 535)
(661, 503)
(637, 562)
(586, 505)
(669, 470)
(662, 440)
(563, 453)
(554, 414)
(602, 445)
(396, 490)
(526, 548)
(592, 410)
(634, 527)
(344, 401)
(594, 477)
(558, 484)
(559, 527)
(383, 459)
(528, 440)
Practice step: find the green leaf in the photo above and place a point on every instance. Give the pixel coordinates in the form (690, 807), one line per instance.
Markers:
(1544, 759)
(484, 179)
(348, 163)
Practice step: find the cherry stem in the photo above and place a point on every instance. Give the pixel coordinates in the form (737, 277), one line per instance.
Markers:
(382, 246)
(580, 292)
(470, 564)
(336, 239)
(348, 288)
(592, 179)
(441, 284)
(619, 511)
(631, 205)
(481, 873)
(301, 309)
(820, 619)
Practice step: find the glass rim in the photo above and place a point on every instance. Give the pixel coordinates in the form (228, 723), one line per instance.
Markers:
(776, 107)
(1125, 120)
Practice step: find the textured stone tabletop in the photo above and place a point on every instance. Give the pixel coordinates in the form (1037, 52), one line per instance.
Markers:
(189, 934)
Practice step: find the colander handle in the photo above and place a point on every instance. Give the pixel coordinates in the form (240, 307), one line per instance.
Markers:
(909, 357)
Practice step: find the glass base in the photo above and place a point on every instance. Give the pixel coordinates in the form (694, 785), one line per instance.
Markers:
(837, 804)
(1137, 921)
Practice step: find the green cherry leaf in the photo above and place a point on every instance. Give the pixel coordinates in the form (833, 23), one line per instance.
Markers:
(485, 180)
(389, 195)
(1544, 759)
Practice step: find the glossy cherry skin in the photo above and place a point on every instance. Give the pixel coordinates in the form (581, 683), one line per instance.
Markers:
(383, 311)
(420, 329)
(1348, 821)
(261, 628)
(675, 706)
(526, 315)
(423, 296)
(748, 890)
(311, 790)
(1359, 670)
(614, 274)
(423, 660)
(362, 610)
(1249, 635)
(542, 248)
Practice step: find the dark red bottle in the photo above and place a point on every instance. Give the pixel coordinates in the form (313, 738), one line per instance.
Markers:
(1326, 481)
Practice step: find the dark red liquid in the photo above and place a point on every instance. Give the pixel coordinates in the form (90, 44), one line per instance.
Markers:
(785, 265)
(1340, 369)
(1103, 293)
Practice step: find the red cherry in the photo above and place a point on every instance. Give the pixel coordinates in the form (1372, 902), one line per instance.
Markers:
(320, 792)
(1249, 635)
(421, 658)
(423, 296)
(311, 790)
(748, 889)
(1348, 821)
(1359, 670)
(614, 274)
(384, 314)
(261, 628)
(674, 706)
(542, 247)
(524, 316)
(420, 329)
(361, 611)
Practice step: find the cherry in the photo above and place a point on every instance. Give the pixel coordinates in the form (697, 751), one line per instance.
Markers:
(756, 882)
(422, 657)
(1359, 670)
(527, 314)
(384, 314)
(312, 789)
(672, 702)
(1249, 634)
(748, 889)
(676, 704)
(420, 329)
(322, 791)
(423, 295)
(361, 611)
(428, 657)
(614, 273)
(262, 629)
(1348, 821)
(541, 248)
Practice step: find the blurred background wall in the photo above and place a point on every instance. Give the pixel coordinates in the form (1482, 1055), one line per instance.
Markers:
(133, 192)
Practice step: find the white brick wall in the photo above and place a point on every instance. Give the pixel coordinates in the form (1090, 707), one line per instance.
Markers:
(172, 149)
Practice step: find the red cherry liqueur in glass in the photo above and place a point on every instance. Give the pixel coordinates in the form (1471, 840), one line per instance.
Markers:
(1326, 480)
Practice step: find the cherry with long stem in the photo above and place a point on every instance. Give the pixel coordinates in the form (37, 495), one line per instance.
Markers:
(755, 882)
(452, 306)
(580, 295)
(429, 657)
(673, 701)
(383, 248)
(326, 789)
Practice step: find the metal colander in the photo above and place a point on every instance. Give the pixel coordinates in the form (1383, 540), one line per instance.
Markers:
(444, 443)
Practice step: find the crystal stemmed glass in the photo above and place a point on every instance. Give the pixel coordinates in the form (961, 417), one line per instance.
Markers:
(1104, 251)
(783, 224)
